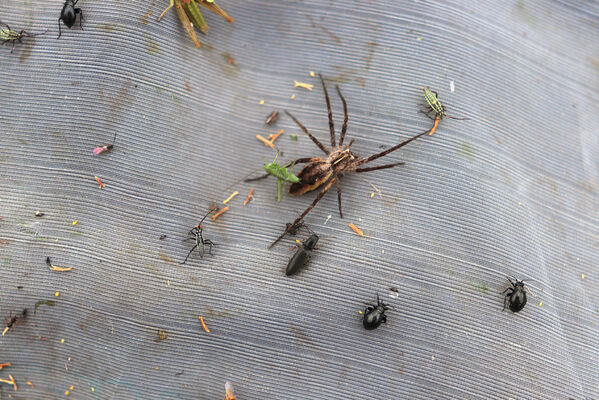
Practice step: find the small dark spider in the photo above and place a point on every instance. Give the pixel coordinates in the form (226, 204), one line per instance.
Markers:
(13, 320)
(293, 230)
(340, 159)
(68, 15)
(515, 298)
(375, 315)
(199, 238)
(8, 35)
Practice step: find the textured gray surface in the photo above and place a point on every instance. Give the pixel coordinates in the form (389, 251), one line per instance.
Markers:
(512, 191)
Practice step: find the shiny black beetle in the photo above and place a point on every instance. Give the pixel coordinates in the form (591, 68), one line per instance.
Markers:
(515, 298)
(302, 255)
(375, 315)
(69, 14)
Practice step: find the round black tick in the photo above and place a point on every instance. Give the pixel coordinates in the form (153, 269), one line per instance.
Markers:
(69, 14)
(515, 296)
(375, 315)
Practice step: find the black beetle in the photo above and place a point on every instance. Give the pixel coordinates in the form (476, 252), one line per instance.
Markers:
(69, 14)
(373, 316)
(515, 297)
(302, 255)
(199, 239)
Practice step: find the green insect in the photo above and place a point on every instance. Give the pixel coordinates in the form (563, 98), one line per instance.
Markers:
(432, 98)
(282, 173)
(189, 14)
(8, 35)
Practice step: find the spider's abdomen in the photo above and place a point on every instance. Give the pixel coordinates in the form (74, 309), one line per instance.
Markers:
(311, 177)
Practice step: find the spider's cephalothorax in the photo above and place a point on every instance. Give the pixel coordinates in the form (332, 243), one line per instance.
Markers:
(339, 159)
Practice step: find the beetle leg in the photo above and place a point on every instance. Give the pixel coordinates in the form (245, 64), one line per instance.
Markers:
(505, 301)
(384, 319)
(188, 254)
(425, 112)
(59, 28)
(78, 11)
(210, 244)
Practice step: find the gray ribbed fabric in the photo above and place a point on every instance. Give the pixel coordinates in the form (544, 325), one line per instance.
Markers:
(513, 191)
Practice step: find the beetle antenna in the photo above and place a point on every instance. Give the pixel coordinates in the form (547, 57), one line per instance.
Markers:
(209, 212)
(458, 119)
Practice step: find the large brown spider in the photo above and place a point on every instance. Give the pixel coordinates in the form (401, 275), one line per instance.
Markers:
(328, 171)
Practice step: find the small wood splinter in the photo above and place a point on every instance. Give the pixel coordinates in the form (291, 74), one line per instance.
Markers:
(436, 124)
(55, 268)
(204, 324)
(229, 391)
(274, 136)
(302, 85)
(10, 382)
(250, 197)
(99, 182)
(215, 216)
(356, 229)
(265, 141)
(2, 365)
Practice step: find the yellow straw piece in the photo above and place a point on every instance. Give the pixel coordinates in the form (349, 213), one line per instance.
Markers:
(230, 197)
(302, 85)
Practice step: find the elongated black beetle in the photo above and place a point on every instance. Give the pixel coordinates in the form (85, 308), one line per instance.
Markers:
(302, 255)
(515, 297)
(199, 239)
(375, 315)
(69, 14)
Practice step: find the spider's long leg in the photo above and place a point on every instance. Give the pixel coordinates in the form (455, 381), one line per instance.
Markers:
(389, 150)
(379, 167)
(345, 117)
(298, 161)
(303, 128)
(339, 199)
(188, 254)
(331, 123)
(310, 207)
